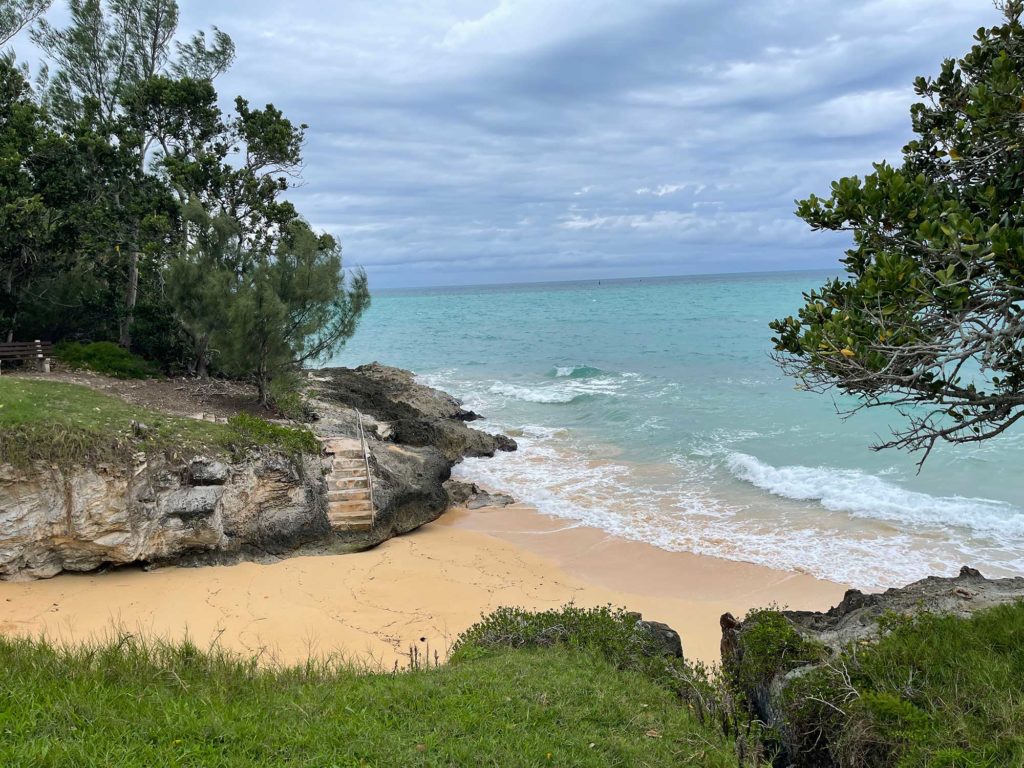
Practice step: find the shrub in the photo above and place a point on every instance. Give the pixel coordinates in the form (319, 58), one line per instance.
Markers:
(286, 396)
(246, 431)
(610, 632)
(107, 358)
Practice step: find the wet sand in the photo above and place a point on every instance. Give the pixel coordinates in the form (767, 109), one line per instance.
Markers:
(421, 589)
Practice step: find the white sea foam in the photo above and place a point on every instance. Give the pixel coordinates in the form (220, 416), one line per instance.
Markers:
(863, 495)
(558, 392)
(688, 514)
(692, 504)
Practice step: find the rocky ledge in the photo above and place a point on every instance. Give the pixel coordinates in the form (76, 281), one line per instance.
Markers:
(161, 510)
(415, 435)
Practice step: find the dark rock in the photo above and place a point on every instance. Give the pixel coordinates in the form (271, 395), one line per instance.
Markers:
(205, 471)
(418, 415)
(666, 640)
(190, 502)
(484, 499)
(472, 496)
(460, 492)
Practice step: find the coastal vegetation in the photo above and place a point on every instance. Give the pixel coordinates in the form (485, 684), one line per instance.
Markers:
(107, 358)
(70, 425)
(933, 690)
(129, 703)
(566, 687)
(928, 318)
(135, 211)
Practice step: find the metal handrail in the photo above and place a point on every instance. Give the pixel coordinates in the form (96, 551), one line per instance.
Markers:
(366, 461)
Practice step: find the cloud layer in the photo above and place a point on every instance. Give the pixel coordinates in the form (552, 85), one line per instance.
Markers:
(464, 141)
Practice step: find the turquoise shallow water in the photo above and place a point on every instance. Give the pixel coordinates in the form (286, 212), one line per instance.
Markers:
(651, 408)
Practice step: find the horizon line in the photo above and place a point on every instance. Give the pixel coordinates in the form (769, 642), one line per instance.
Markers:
(694, 275)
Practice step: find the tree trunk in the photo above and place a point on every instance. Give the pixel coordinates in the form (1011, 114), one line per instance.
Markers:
(131, 295)
(264, 387)
(203, 358)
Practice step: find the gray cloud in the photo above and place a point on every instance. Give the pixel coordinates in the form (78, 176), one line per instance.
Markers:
(463, 141)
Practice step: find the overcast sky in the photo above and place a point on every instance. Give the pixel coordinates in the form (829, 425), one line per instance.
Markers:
(475, 141)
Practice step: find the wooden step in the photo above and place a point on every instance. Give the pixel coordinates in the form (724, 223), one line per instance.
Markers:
(348, 464)
(349, 494)
(345, 473)
(344, 507)
(335, 483)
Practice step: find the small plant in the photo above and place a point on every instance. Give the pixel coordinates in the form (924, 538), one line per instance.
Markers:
(286, 396)
(107, 358)
(246, 431)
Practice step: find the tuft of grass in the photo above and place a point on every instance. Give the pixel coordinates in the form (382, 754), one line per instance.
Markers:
(107, 358)
(246, 431)
(68, 425)
(126, 704)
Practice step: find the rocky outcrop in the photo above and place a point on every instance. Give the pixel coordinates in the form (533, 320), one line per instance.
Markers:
(406, 413)
(414, 434)
(768, 656)
(855, 619)
(472, 496)
(155, 511)
(211, 510)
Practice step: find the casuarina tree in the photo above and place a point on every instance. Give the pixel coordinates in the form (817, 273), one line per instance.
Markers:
(929, 317)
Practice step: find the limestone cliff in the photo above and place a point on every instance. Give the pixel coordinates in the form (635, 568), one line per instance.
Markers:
(157, 510)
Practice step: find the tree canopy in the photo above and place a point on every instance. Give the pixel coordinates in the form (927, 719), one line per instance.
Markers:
(929, 317)
(134, 209)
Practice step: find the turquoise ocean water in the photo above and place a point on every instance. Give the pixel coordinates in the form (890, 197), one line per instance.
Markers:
(650, 408)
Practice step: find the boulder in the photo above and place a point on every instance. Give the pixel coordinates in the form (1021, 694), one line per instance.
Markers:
(206, 471)
(666, 641)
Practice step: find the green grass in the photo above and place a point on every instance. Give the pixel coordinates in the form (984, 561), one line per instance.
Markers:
(932, 692)
(107, 358)
(68, 424)
(129, 704)
(940, 691)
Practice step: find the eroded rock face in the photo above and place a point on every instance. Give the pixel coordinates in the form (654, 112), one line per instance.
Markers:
(155, 512)
(207, 510)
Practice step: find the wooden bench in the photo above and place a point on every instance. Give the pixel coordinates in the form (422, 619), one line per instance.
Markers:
(26, 351)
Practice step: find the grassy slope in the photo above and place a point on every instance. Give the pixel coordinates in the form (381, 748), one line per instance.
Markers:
(69, 424)
(940, 691)
(137, 706)
(933, 692)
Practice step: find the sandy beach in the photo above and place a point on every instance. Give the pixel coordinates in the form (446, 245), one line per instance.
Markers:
(421, 589)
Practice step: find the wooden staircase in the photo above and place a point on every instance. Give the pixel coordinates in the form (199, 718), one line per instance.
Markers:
(349, 487)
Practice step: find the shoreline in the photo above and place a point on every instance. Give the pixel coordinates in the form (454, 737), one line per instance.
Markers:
(423, 588)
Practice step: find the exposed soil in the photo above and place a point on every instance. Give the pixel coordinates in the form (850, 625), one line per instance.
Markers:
(175, 396)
